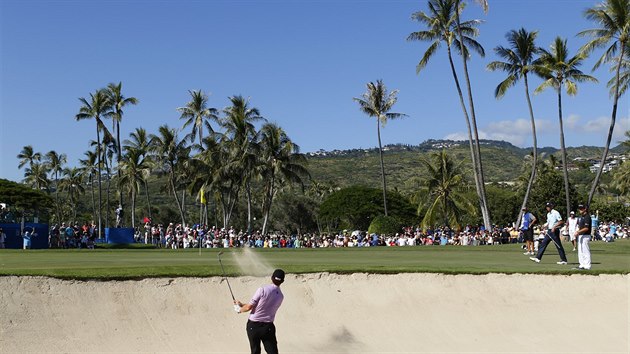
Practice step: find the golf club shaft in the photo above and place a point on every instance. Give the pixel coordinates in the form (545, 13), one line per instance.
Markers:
(224, 277)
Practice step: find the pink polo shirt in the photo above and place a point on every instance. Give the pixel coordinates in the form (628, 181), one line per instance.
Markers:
(266, 302)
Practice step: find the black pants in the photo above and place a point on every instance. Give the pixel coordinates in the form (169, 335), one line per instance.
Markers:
(549, 237)
(264, 332)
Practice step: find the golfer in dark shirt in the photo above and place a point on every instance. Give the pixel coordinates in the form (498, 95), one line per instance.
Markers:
(263, 306)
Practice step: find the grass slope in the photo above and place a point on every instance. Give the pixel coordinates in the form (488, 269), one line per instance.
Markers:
(143, 263)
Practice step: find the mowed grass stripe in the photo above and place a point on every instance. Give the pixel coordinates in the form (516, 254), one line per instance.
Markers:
(142, 263)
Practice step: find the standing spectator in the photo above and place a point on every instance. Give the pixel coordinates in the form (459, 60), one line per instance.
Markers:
(3, 237)
(572, 227)
(527, 227)
(583, 233)
(263, 306)
(595, 225)
(27, 237)
(119, 215)
(554, 221)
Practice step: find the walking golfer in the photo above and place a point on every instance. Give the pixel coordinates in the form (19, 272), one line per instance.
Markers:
(583, 235)
(263, 306)
(554, 221)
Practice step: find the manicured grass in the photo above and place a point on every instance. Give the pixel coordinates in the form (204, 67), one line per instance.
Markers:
(142, 263)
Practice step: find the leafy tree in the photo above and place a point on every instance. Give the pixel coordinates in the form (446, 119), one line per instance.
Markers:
(24, 200)
(503, 203)
(134, 170)
(355, 207)
(613, 17)
(442, 27)
(559, 70)
(384, 225)
(140, 143)
(294, 212)
(72, 184)
(519, 61)
(377, 103)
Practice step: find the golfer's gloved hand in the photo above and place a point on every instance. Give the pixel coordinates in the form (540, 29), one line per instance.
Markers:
(237, 308)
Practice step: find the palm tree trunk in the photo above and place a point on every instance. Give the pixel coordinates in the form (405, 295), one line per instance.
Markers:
(473, 156)
(92, 192)
(248, 191)
(118, 157)
(181, 211)
(267, 204)
(59, 217)
(613, 118)
(477, 150)
(133, 208)
(532, 177)
(565, 169)
(146, 189)
(98, 171)
(109, 180)
(380, 152)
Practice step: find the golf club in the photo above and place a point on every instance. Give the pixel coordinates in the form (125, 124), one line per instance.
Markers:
(236, 307)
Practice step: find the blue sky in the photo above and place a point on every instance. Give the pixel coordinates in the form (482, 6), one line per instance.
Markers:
(300, 62)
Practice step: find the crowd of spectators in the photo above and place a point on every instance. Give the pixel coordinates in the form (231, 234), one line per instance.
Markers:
(175, 236)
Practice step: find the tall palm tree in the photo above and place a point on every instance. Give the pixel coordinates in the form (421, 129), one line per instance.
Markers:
(441, 24)
(170, 153)
(238, 122)
(197, 113)
(558, 69)
(282, 164)
(444, 185)
(613, 18)
(88, 170)
(139, 141)
(55, 162)
(134, 170)
(377, 102)
(519, 61)
(118, 102)
(473, 116)
(96, 108)
(72, 183)
(28, 156)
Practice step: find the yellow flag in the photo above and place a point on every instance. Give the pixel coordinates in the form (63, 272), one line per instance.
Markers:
(202, 196)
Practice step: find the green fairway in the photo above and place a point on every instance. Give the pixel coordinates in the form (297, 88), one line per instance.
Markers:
(141, 263)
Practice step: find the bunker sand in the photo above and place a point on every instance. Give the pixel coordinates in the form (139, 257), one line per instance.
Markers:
(322, 313)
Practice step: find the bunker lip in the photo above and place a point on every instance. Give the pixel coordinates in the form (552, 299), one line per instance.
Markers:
(321, 313)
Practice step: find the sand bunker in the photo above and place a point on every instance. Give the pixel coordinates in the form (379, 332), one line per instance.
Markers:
(322, 313)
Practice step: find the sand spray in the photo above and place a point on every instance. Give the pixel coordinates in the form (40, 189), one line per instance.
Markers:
(250, 263)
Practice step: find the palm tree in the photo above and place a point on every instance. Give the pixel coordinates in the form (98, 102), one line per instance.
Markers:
(140, 142)
(170, 154)
(197, 113)
(134, 170)
(118, 102)
(377, 103)
(72, 183)
(55, 162)
(282, 163)
(559, 70)
(240, 131)
(519, 62)
(28, 156)
(36, 175)
(443, 187)
(613, 17)
(96, 108)
(88, 170)
(442, 27)
(473, 117)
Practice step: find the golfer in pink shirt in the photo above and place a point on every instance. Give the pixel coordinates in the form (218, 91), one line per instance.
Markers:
(263, 306)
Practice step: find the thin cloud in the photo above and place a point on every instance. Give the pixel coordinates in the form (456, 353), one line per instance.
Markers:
(516, 132)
